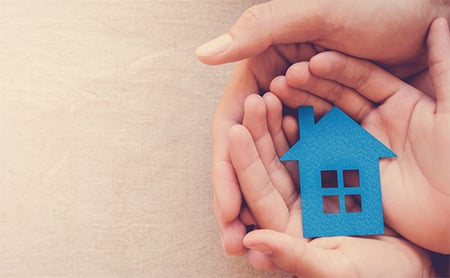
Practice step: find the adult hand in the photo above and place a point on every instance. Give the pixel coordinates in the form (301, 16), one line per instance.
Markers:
(416, 189)
(275, 205)
(388, 32)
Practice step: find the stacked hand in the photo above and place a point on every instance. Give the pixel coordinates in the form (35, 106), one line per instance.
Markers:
(415, 186)
(416, 192)
(280, 33)
(274, 207)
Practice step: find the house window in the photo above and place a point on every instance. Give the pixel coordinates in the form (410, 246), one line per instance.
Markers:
(351, 178)
(340, 191)
(329, 179)
(330, 204)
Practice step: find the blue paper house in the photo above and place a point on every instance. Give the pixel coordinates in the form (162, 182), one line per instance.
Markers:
(338, 161)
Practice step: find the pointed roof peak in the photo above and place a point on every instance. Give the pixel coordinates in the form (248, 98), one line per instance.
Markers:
(334, 132)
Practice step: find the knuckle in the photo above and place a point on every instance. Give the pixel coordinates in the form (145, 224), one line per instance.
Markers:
(335, 94)
(366, 107)
(251, 15)
(274, 165)
(362, 79)
(256, 14)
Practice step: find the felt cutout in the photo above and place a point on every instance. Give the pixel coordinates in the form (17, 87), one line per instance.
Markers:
(339, 175)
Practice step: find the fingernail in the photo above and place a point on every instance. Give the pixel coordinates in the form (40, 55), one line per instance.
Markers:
(215, 46)
(260, 247)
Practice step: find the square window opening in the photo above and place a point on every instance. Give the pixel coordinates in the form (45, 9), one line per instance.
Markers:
(351, 178)
(330, 204)
(353, 203)
(329, 179)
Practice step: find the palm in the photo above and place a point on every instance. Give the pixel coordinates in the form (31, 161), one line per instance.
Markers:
(420, 138)
(358, 256)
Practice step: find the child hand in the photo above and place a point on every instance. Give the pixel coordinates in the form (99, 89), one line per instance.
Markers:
(271, 196)
(250, 77)
(415, 186)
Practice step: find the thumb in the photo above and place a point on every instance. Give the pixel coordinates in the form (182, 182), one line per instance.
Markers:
(263, 25)
(439, 63)
(295, 255)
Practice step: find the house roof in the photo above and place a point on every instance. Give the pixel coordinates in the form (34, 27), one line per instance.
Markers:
(335, 136)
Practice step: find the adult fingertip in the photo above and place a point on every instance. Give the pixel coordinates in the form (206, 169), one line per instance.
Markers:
(263, 25)
(244, 39)
(214, 47)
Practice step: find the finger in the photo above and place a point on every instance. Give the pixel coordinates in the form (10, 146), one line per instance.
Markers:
(439, 63)
(255, 120)
(264, 201)
(294, 97)
(227, 194)
(260, 261)
(295, 227)
(263, 25)
(276, 129)
(367, 79)
(295, 255)
(275, 123)
(298, 76)
(274, 111)
(246, 217)
(290, 128)
(231, 234)
(227, 203)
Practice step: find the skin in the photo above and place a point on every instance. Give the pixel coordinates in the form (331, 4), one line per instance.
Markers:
(269, 192)
(415, 185)
(270, 37)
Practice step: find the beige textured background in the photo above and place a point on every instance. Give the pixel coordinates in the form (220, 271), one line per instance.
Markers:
(104, 146)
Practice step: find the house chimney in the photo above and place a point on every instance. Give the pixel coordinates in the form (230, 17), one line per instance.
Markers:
(305, 119)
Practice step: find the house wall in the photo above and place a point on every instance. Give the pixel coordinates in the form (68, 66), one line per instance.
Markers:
(315, 222)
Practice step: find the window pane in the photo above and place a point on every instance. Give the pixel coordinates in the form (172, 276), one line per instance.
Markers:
(351, 178)
(330, 204)
(329, 179)
(353, 203)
